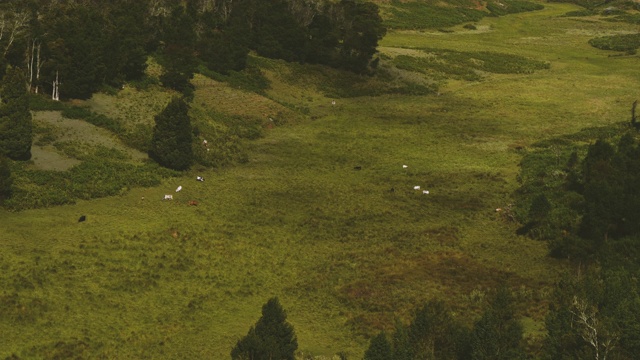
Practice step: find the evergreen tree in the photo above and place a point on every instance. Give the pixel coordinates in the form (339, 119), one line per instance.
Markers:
(5, 179)
(171, 144)
(74, 46)
(272, 337)
(361, 29)
(179, 60)
(433, 334)
(16, 124)
(497, 335)
(379, 348)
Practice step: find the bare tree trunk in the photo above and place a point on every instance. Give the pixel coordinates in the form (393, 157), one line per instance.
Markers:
(30, 61)
(55, 95)
(587, 319)
(38, 67)
(20, 21)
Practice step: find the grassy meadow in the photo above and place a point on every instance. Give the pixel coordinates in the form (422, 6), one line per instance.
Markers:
(322, 213)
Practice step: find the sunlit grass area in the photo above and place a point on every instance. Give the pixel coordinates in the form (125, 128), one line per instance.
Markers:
(322, 213)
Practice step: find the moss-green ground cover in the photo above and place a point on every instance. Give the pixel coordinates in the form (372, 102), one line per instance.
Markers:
(323, 215)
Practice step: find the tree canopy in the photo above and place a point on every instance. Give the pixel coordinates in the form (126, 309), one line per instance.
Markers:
(272, 337)
(88, 44)
(16, 125)
(171, 144)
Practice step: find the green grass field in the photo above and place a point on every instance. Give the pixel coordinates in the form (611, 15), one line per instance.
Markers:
(323, 214)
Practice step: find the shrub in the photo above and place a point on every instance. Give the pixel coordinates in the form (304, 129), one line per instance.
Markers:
(76, 112)
(622, 42)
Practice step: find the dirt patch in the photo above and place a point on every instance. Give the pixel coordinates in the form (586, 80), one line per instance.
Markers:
(48, 158)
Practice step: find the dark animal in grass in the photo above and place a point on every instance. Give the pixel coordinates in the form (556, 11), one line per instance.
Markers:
(82, 218)
(357, 168)
(193, 203)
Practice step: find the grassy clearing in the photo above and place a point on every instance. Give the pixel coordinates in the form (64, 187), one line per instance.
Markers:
(311, 216)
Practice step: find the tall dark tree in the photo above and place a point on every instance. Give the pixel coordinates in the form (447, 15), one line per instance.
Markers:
(498, 334)
(171, 144)
(271, 338)
(379, 348)
(74, 46)
(433, 333)
(178, 55)
(223, 41)
(16, 124)
(594, 316)
(124, 51)
(361, 29)
(6, 181)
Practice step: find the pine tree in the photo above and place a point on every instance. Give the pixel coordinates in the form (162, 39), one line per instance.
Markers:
(497, 335)
(172, 136)
(379, 348)
(272, 338)
(5, 179)
(16, 124)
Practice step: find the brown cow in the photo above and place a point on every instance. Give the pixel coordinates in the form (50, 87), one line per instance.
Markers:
(193, 203)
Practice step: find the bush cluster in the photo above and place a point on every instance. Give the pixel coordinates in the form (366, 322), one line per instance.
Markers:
(101, 173)
(622, 42)
(467, 65)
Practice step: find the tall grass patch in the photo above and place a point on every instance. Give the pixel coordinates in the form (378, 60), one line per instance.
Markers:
(420, 15)
(468, 66)
(624, 42)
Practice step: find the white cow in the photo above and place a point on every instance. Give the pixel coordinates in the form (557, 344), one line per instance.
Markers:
(168, 197)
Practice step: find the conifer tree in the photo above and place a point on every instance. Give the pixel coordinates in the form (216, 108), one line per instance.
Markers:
(272, 337)
(379, 348)
(172, 136)
(5, 179)
(16, 124)
(497, 335)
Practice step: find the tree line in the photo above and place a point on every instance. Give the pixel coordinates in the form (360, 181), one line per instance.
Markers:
(72, 49)
(83, 45)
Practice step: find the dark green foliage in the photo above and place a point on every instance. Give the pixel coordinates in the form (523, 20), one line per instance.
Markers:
(432, 334)
(418, 15)
(16, 124)
(89, 46)
(76, 112)
(171, 144)
(223, 45)
(101, 173)
(579, 13)
(592, 196)
(622, 42)
(512, 7)
(379, 348)
(596, 313)
(272, 337)
(359, 34)
(6, 181)
(275, 32)
(250, 79)
(498, 334)
(631, 18)
(467, 65)
(178, 54)
(44, 103)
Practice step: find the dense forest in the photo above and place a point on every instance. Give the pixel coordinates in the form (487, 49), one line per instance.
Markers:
(579, 194)
(86, 45)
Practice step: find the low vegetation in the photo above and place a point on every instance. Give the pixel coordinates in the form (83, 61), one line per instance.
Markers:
(381, 209)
